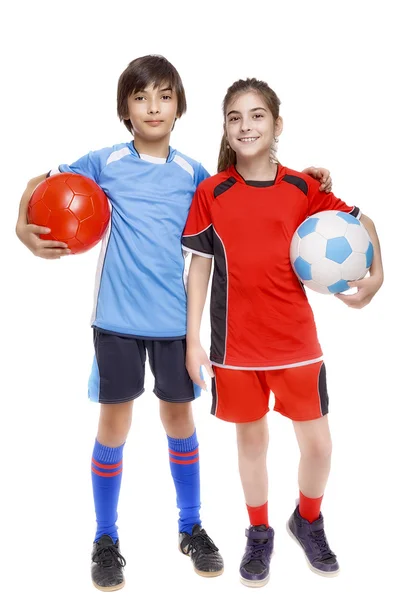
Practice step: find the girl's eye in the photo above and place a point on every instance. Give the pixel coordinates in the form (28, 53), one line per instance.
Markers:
(234, 119)
(166, 97)
(139, 98)
(258, 116)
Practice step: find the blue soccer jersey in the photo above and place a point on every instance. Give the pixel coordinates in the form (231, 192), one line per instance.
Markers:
(140, 288)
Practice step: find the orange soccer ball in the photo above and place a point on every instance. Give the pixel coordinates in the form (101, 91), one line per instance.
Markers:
(74, 207)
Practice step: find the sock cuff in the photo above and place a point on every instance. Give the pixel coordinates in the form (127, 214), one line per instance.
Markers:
(183, 445)
(105, 454)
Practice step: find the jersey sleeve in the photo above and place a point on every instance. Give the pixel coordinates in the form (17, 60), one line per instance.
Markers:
(201, 174)
(198, 233)
(89, 165)
(319, 201)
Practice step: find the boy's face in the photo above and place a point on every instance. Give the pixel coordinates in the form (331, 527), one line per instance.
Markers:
(152, 112)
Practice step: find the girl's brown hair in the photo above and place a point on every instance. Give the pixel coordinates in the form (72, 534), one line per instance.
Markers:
(148, 70)
(227, 156)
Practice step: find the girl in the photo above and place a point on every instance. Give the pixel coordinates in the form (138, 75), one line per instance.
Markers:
(263, 335)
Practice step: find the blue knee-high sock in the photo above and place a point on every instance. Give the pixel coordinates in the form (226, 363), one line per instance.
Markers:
(185, 470)
(106, 481)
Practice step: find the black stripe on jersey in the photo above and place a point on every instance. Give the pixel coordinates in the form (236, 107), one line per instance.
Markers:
(298, 182)
(224, 186)
(202, 242)
(214, 396)
(260, 184)
(219, 302)
(355, 212)
(323, 390)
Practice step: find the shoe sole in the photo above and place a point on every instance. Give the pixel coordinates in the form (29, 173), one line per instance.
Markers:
(254, 584)
(112, 588)
(310, 566)
(202, 573)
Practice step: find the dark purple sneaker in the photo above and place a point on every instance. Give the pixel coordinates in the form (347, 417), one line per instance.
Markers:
(254, 568)
(311, 537)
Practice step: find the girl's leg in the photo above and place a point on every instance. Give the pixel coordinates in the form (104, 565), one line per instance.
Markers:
(315, 445)
(306, 524)
(252, 440)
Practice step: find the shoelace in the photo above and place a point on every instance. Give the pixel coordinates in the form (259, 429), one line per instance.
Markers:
(318, 537)
(108, 555)
(257, 550)
(203, 541)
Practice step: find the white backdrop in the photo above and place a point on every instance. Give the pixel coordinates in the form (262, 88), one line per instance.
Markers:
(333, 66)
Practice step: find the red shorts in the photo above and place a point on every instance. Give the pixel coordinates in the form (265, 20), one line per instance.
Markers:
(241, 396)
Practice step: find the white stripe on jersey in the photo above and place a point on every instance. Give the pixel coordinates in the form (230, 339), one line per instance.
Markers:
(117, 155)
(100, 264)
(184, 164)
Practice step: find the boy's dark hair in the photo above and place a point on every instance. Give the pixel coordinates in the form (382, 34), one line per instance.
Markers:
(148, 70)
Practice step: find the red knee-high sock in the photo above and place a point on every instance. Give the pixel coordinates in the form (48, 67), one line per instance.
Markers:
(258, 515)
(310, 508)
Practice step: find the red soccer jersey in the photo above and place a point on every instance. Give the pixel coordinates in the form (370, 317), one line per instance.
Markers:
(260, 315)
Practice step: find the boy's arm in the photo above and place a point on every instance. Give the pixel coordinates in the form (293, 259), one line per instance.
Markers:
(198, 278)
(368, 286)
(29, 234)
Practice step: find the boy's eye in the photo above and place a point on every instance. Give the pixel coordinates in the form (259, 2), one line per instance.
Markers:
(166, 97)
(234, 118)
(258, 116)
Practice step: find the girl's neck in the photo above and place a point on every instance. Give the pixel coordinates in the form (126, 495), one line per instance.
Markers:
(257, 169)
(158, 148)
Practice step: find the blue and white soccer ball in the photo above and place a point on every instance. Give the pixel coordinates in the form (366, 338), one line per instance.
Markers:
(329, 249)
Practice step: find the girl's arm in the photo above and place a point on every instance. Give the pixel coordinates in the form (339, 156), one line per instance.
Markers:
(368, 286)
(198, 278)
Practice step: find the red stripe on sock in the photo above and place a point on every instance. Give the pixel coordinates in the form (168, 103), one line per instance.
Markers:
(184, 462)
(310, 508)
(106, 474)
(258, 515)
(183, 453)
(106, 466)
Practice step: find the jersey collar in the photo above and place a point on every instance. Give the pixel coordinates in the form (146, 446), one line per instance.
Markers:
(170, 157)
(233, 172)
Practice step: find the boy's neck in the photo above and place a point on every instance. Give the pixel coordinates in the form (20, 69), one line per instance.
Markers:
(257, 169)
(157, 148)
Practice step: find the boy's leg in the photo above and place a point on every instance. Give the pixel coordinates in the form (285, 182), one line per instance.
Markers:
(117, 378)
(107, 464)
(183, 448)
(175, 390)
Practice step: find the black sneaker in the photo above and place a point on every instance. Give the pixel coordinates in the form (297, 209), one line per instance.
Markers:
(206, 559)
(107, 565)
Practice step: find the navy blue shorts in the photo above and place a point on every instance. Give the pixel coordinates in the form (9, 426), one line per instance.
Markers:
(119, 368)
